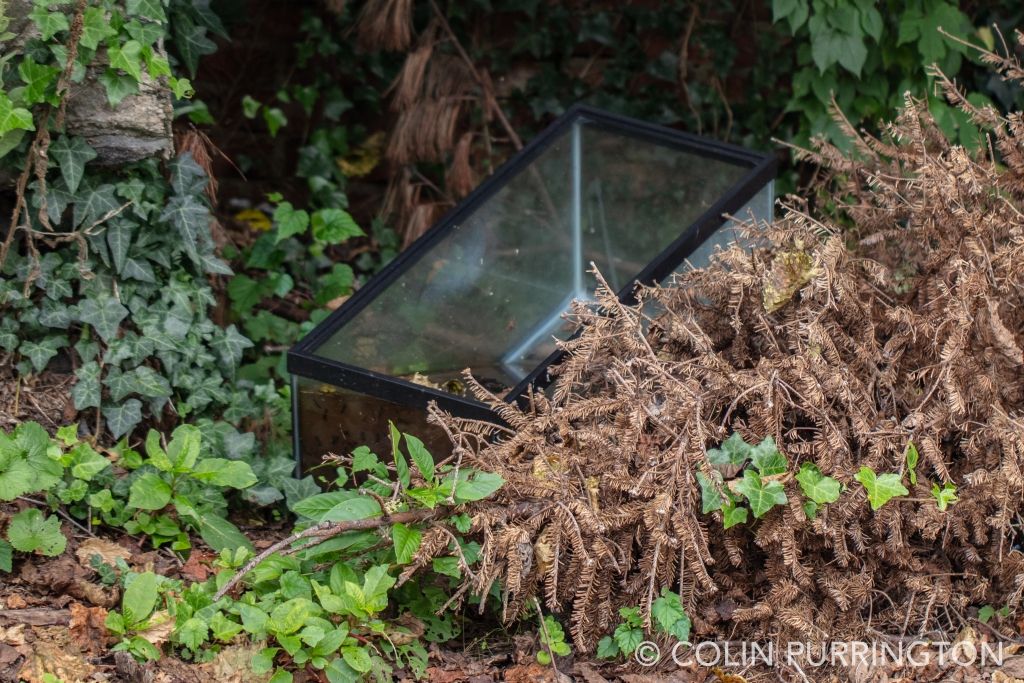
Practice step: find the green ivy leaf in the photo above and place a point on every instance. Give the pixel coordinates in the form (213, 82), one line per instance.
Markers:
(123, 417)
(104, 313)
(149, 492)
(881, 488)
(31, 531)
(95, 28)
(711, 499)
(39, 354)
(191, 42)
(337, 282)
(37, 78)
(119, 239)
(95, 203)
(334, 226)
(147, 9)
(733, 514)
(762, 496)
(191, 219)
(13, 118)
(767, 459)
(127, 57)
(230, 346)
(49, 23)
(118, 86)
(275, 120)
(816, 486)
(730, 456)
(406, 540)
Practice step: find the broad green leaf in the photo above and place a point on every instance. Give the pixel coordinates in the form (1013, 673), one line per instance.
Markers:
(72, 153)
(220, 534)
(406, 540)
(119, 240)
(607, 648)
(123, 417)
(316, 506)
(357, 657)
(761, 495)
(275, 120)
(86, 462)
(230, 346)
(945, 496)
(477, 486)
(118, 86)
(711, 499)
(31, 531)
(140, 595)
(192, 633)
(222, 472)
(149, 492)
(816, 486)
(104, 313)
(628, 638)
(668, 613)
(767, 459)
(13, 118)
(361, 507)
(191, 219)
(39, 354)
(289, 221)
(880, 487)
(291, 615)
(334, 226)
(420, 456)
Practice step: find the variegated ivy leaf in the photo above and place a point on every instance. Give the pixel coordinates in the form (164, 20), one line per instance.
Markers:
(142, 380)
(231, 345)
(104, 313)
(119, 239)
(87, 392)
(191, 220)
(71, 153)
(40, 353)
(123, 417)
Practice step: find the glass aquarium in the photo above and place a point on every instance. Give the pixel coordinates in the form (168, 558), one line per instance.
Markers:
(486, 288)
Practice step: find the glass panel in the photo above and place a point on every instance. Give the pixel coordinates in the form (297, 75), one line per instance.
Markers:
(490, 294)
(335, 420)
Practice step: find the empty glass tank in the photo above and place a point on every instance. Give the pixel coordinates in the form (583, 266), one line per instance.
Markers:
(486, 288)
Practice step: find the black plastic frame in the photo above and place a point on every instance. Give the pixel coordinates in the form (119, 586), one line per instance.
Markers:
(303, 361)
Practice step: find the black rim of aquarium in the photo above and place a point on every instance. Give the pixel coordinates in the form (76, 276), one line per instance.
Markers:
(303, 360)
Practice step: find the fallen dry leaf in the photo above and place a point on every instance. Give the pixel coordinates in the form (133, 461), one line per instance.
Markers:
(197, 568)
(87, 627)
(108, 551)
(234, 665)
(160, 626)
(15, 601)
(60, 659)
(1000, 677)
(13, 635)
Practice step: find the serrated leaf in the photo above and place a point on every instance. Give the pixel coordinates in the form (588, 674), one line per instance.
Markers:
(192, 633)
(122, 418)
(816, 486)
(406, 541)
(628, 638)
(881, 488)
(31, 531)
(71, 153)
(290, 221)
(334, 226)
(762, 496)
(669, 615)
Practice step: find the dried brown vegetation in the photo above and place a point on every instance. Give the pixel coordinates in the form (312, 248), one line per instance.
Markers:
(844, 343)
